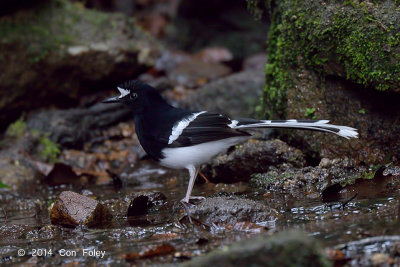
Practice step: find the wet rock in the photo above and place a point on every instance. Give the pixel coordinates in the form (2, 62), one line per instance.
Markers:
(384, 253)
(252, 157)
(236, 95)
(141, 203)
(392, 170)
(332, 180)
(230, 210)
(196, 72)
(13, 232)
(46, 232)
(284, 249)
(136, 203)
(54, 54)
(16, 202)
(342, 171)
(72, 209)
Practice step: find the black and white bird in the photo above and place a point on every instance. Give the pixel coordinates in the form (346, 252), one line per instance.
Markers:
(183, 139)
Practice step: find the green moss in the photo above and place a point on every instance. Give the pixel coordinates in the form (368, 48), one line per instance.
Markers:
(49, 151)
(263, 180)
(364, 175)
(17, 128)
(310, 113)
(2, 185)
(350, 39)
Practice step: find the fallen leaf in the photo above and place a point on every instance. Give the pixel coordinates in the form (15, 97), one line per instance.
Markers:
(150, 252)
(381, 258)
(246, 227)
(335, 254)
(165, 236)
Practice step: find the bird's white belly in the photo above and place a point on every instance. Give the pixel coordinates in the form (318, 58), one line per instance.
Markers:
(182, 157)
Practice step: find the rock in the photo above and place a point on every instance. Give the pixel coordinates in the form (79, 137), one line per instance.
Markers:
(357, 251)
(54, 54)
(230, 210)
(236, 95)
(255, 62)
(16, 168)
(315, 179)
(71, 128)
(252, 157)
(141, 202)
(214, 55)
(45, 232)
(21, 174)
(72, 209)
(329, 61)
(375, 114)
(283, 249)
(195, 72)
(136, 203)
(170, 59)
(13, 232)
(63, 174)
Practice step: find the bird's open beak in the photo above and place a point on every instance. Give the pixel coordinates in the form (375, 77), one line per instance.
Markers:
(111, 100)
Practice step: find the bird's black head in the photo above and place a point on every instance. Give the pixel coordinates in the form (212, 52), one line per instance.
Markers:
(136, 95)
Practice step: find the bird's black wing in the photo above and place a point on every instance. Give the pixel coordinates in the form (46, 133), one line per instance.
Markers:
(205, 127)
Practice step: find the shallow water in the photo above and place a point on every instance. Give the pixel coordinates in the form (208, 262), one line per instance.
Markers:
(27, 225)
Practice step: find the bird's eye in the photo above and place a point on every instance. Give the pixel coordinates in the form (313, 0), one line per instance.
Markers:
(133, 96)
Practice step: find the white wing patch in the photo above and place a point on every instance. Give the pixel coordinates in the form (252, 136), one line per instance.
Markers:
(123, 92)
(233, 123)
(181, 125)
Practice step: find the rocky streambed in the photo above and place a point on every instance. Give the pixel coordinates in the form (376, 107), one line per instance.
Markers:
(111, 206)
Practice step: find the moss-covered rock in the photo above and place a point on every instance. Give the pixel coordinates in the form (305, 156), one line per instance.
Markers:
(288, 248)
(356, 40)
(312, 179)
(58, 51)
(332, 60)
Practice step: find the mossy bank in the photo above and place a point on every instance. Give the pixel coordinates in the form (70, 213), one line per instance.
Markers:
(356, 40)
(337, 60)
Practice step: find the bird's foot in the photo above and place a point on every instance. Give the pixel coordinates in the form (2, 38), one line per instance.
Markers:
(185, 204)
(191, 218)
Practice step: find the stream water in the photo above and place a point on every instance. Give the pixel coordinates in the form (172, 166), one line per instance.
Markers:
(26, 229)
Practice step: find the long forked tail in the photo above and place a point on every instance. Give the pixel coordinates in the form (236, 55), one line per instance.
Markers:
(316, 125)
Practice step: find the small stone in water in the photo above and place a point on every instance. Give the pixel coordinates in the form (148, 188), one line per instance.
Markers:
(72, 209)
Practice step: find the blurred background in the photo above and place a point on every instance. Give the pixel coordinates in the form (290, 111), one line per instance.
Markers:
(288, 59)
(64, 53)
